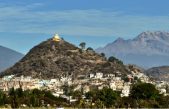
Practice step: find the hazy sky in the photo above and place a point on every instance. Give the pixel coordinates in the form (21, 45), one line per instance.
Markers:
(25, 23)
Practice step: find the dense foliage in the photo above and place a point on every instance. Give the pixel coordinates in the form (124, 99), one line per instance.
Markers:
(103, 98)
(31, 98)
(143, 95)
(113, 59)
(144, 91)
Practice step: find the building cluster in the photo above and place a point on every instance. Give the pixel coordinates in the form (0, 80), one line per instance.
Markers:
(163, 87)
(84, 83)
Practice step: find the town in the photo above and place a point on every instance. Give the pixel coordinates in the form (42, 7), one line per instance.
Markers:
(83, 83)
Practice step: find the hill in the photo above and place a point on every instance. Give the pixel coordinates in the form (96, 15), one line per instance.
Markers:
(159, 73)
(8, 57)
(58, 58)
(148, 49)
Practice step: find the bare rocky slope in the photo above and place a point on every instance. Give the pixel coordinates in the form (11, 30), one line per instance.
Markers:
(52, 59)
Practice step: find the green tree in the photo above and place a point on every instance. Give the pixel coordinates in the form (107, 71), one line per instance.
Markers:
(68, 90)
(3, 98)
(77, 95)
(113, 59)
(102, 54)
(167, 89)
(107, 96)
(13, 98)
(82, 45)
(164, 101)
(19, 92)
(144, 91)
(89, 95)
(89, 49)
(34, 101)
(99, 104)
(37, 96)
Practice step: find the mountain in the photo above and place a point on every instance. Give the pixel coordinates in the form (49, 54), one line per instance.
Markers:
(56, 58)
(8, 57)
(159, 73)
(148, 49)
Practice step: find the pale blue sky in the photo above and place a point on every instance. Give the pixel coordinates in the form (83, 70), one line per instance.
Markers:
(25, 23)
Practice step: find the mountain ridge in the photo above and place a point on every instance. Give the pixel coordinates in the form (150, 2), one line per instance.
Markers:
(8, 57)
(139, 47)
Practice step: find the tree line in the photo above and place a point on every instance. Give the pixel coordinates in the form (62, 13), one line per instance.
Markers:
(143, 95)
(16, 98)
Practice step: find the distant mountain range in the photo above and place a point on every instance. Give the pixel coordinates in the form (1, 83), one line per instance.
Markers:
(148, 49)
(8, 57)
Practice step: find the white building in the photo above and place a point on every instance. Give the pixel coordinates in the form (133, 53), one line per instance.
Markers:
(162, 91)
(58, 93)
(99, 75)
(112, 85)
(7, 78)
(126, 91)
(91, 75)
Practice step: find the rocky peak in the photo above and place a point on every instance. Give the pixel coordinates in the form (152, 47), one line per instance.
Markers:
(157, 35)
(150, 46)
(119, 40)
